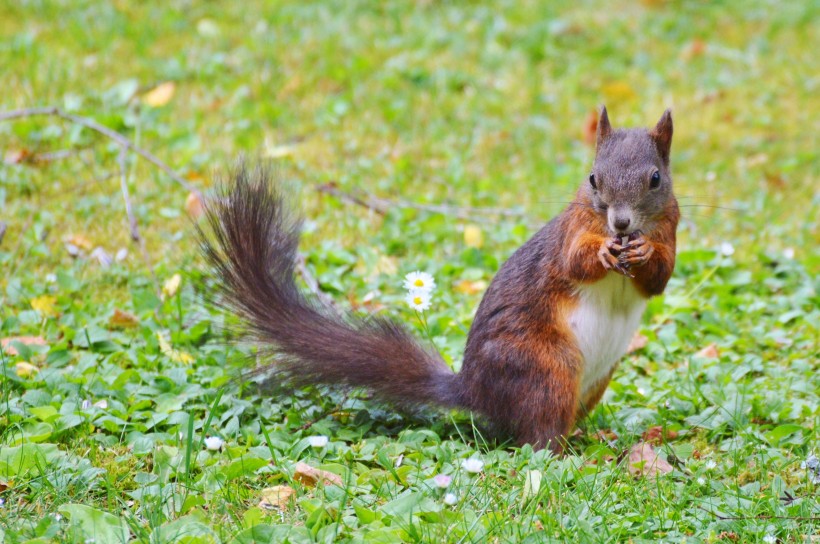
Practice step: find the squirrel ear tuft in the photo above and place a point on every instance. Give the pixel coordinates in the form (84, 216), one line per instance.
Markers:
(604, 128)
(662, 134)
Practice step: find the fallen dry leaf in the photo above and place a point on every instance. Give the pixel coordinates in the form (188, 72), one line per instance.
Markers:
(45, 304)
(25, 370)
(606, 435)
(27, 340)
(643, 461)
(80, 241)
(277, 496)
(618, 91)
(16, 156)
(160, 95)
(695, 48)
(709, 352)
(656, 435)
(473, 237)
(309, 476)
(638, 342)
(194, 206)
(469, 287)
(123, 320)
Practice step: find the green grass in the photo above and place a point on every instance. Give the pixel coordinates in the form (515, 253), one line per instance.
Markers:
(434, 103)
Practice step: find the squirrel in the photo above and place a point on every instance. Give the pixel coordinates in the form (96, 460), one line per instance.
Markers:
(547, 335)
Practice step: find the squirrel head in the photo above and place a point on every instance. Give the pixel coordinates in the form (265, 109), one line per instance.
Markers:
(630, 184)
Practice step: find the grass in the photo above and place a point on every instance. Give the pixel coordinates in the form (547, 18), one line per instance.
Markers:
(461, 104)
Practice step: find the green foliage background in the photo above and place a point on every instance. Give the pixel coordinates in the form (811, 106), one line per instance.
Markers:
(454, 103)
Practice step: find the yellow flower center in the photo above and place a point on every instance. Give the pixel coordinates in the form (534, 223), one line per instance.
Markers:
(417, 301)
(419, 283)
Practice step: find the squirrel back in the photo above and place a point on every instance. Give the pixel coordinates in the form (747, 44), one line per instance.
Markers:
(547, 334)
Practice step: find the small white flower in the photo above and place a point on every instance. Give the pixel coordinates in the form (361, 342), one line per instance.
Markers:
(473, 465)
(442, 480)
(641, 391)
(122, 253)
(51, 278)
(710, 464)
(101, 404)
(701, 481)
(419, 280)
(770, 539)
(727, 249)
(86, 404)
(214, 443)
(317, 441)
(450, 499)
(788, 253)
(418, 300)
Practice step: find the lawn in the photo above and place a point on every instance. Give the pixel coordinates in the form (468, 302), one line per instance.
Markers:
(125, 415)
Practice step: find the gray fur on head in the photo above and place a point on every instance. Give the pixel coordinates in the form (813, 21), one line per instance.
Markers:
(621, 185)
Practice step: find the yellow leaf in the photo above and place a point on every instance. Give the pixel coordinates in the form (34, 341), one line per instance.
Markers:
(25, 370)
(173, 354)
(469, 287)
(618, 91)
(45, 305)
(171, 285)
(473, 237)
(81, 241)
(277, 496)
(160, 95)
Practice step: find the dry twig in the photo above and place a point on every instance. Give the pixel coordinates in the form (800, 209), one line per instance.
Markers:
(381, 205)
(105, 131)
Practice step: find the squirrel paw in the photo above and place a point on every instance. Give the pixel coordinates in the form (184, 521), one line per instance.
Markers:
(609, 256)
(636, 253)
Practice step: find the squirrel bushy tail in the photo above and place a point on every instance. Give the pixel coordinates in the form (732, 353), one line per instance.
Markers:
(252, 248)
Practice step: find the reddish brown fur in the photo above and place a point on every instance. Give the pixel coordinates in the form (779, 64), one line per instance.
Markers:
(522, 366)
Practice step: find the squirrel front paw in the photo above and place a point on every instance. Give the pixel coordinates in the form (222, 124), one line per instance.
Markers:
(636, 252)
(609, 255)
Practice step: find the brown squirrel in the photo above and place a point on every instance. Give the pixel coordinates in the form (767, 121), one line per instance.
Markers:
(547, 335)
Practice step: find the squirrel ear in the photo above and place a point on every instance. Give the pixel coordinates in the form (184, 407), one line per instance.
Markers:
(662, 134)
(604, 128)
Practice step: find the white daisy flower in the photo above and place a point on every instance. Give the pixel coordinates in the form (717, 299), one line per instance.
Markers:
(473, 465)
(442, 480)
(710, 464)
(214, 443)
(421, 281)
(450, 499)
(418, 299)
(317, 441)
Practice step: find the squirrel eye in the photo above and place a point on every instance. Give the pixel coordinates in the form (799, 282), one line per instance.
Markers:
(655, 181)
(592, 181)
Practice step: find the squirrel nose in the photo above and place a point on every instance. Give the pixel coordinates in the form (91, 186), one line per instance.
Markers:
(621, 223)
